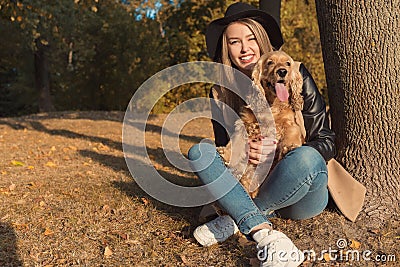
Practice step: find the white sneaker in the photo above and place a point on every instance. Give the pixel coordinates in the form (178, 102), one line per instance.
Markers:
(275, 249)
(217, 230)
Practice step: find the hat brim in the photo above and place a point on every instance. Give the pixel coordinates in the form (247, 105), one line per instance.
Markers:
(217, 27)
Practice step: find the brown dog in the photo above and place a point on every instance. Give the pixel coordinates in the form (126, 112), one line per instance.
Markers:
(277, 76)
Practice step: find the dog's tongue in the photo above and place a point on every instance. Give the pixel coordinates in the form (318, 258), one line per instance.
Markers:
(281, 92)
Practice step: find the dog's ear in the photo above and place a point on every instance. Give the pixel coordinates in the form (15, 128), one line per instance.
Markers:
(296, 85)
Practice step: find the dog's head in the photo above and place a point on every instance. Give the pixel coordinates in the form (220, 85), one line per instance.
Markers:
(279, 77)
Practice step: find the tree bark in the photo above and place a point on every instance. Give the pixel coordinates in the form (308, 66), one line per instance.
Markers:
(360, 43)
(42, 77)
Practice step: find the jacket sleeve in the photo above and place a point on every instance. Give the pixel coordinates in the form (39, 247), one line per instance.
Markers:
(316, 119)
(220, 133)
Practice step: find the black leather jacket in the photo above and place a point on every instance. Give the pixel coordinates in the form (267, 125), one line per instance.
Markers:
(316, 120)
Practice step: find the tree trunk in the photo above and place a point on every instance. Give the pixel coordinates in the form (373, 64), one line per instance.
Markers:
(360, 44)
(42, 76)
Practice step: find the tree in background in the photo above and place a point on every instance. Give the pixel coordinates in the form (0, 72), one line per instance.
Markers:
(94, 54)
(361, 44)
(16, 76)
(82, 54)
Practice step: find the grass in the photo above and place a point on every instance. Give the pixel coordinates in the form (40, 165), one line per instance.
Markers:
(68, 199)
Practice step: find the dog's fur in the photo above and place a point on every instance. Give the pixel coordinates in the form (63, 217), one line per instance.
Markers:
(272, 68)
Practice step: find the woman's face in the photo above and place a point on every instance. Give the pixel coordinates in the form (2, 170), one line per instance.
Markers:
(242, 47)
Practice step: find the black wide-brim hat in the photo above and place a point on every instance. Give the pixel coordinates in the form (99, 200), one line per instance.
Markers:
(236, 12)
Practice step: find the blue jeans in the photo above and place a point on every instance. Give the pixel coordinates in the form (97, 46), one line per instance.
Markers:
(296, 188)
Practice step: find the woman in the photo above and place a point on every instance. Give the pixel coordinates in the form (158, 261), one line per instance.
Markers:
(297, 187)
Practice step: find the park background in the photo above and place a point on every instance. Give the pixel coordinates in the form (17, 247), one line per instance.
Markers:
(93, 55)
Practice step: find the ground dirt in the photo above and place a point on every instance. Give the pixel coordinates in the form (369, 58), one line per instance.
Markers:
(67, 198)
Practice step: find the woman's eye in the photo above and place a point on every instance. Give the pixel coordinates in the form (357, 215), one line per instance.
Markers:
(234, 42)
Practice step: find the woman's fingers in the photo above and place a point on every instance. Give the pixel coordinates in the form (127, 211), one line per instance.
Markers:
(261, 150)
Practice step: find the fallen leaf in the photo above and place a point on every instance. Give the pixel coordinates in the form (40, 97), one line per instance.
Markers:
(355, 244)
(17, 163)
(53, 148)
(51, 164)
(48, 232)
(327, 257)
(107, 252)
(4, 191)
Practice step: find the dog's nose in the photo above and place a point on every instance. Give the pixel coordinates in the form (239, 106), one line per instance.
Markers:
(281, 72)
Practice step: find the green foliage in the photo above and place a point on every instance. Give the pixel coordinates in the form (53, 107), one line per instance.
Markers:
(99, 53)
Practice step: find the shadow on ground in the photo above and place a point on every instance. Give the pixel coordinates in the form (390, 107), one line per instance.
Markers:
(8, 247)
(133, 190)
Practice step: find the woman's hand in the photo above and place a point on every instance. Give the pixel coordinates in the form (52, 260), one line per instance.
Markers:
(262, 149)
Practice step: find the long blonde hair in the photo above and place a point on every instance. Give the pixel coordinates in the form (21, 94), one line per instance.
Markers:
(265, 46)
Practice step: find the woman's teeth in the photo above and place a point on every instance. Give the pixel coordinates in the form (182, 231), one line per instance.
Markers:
(246, 58)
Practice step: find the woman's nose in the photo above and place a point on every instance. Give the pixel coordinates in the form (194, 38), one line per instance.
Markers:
(245, 47)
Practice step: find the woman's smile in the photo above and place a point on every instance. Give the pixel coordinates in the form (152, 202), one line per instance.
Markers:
(247, 58)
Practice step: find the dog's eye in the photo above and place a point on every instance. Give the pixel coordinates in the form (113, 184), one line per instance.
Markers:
(288, 63)
(270, 62)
